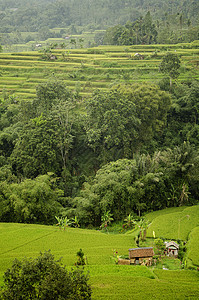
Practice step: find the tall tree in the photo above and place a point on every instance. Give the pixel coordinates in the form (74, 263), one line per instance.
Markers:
(170, 65)
(121, 121)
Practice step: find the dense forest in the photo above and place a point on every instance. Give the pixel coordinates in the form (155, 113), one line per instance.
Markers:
(131, 149)
(173, 21)
(32, 15)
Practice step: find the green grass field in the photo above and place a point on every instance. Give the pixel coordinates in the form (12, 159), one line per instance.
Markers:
(193, 246)
(91, 68)
(108, 280)
(174, 223)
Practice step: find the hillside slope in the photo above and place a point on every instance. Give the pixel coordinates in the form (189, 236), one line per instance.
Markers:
(179, 224)
(24, 16)
(108, 281)
(84, 70)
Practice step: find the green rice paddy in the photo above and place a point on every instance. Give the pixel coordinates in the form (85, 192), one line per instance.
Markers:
(91, 68)
(174, 223)
(108, 280)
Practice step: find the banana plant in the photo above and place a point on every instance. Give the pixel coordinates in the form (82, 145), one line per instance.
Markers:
(75, 222)
(129, 221)
(67, 222)
(106, 219)
(59, 222)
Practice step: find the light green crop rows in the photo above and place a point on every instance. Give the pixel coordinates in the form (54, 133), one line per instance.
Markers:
(19, 240)
(100, 66)
(174, 224)
(193, 246)
(108, 281)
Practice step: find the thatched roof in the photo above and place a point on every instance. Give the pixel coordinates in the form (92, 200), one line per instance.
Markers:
(141, 252)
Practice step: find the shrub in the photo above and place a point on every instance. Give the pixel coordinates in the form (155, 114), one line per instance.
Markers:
(44, 278)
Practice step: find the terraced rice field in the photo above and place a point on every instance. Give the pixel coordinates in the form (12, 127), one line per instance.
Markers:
(178, 223)
(85, 70)
(108, 281)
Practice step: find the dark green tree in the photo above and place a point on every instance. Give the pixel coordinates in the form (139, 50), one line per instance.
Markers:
(170, 65)
(50, 93)
(31, 201)
(36, 150)
(44, 278)
(121, 121)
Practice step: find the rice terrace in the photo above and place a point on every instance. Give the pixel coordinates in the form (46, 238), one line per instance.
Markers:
(84, 70)
(99, 149)
(109, 280)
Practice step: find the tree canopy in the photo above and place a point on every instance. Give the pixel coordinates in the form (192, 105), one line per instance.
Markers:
(121, 121)
(165, 179)
(125, 151)
(44, 278)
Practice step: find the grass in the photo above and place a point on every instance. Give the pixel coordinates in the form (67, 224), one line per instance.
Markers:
(154, 214)
(176, 223)
(166, 286)
(193, 246)
(109, 281)
(19, 240)
(169, 264)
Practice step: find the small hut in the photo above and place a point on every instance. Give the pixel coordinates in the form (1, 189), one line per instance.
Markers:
(172, 249)
(141, 256)
(138, 56)
(53, 57)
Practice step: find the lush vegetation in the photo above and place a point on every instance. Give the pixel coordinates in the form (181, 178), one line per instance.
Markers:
(175, 21)
(128, 150)
(145, 31)
(85, 70)
(44, 278)
(85, 23)
(100, 138)
(107, 279)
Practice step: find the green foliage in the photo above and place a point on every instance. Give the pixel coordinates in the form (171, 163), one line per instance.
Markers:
(124, 119)
(170, 65)
(166, 179)
(129, 222)
(160, 246)
(106, 219)
(133, 33)
(63, 222)
(49, 93)
(143, 225)
(44, 278)
(31, 201)
(37, 16)
(80, 258)
(75, 222)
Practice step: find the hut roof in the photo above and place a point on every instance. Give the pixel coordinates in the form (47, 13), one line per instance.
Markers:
(172, 244)
(141, 252)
